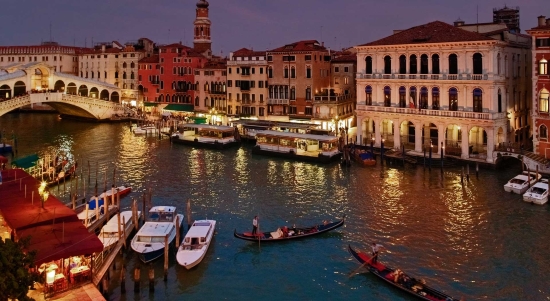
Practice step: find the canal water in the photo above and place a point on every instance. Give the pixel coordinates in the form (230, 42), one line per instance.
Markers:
(474, 240)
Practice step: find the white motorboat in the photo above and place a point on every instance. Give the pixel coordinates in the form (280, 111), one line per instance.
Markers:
(196, 243)
(520, 183)
(122, 190)
(149, 240)
(109, 233)
(538, 193)
(145, 129)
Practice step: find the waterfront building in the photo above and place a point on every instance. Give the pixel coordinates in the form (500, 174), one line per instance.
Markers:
(296, 72)
(247, 85)
(116, 64)
(439, 85)
(61, 58)
(211, 87)
(334, 107)
(508, 16)
(541, 86)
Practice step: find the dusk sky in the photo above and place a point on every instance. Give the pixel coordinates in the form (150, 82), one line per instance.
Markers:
(257, 24)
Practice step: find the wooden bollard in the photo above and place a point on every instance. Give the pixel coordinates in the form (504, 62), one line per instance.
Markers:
(166, 248)
(124, 231)
(136, 216)
(122, 280)
(151, 278)
(178, 230)
(136, 279)
(477, 169)
(468, 172)
(462, 176)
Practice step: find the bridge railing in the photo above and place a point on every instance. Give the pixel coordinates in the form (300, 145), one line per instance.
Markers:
(14, 103)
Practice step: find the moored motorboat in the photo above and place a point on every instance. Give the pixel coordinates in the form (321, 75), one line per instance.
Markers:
(149, 241)
(145, 130)
(109, 234)
(363, 158)
(400, 280)
(195, 244)
(205, 135)
(286, 233)
(520, 183)
(122, 190)
(538, 193)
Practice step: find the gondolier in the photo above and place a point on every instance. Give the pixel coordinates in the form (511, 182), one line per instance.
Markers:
(255, 225)
(375, 250)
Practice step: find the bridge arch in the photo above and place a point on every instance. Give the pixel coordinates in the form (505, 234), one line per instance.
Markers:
(83, 90)
(71, 88)
(19, 88)
(59, 86)
(115, 97)
(5, 92)
(104, 95)
(94, 92)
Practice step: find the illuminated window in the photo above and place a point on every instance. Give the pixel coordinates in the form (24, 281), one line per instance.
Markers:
(543, 101)
(543, 132)
(543, 67)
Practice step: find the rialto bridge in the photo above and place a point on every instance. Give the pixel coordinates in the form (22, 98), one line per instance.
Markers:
(32, 83)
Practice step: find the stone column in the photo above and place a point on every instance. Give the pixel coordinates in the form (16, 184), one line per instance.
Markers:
(359, 131)
(441, 128)
(465, 141)
(490, 144)
(377, 132)
(396, 134)
(418, 136)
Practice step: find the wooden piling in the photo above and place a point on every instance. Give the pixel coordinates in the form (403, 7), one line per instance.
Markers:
(468, 172)
(86, 221)
(151, 278)
(106, 206)
(143, 206)
(166, 248)
(178, 230)
(118, 225)
(477, 169)
(537, 172)
(105, 286)
(124, 231)
(462, 176)
(73, 201)
(529, 176)
(136, 215)
(122, 280)
(136, 279)
(118, 199)
(189, 222)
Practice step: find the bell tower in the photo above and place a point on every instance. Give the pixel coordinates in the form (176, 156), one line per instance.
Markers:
(201, 40)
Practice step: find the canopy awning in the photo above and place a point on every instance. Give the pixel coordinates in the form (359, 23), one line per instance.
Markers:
(149, 104)
(198, 120)
(179, 107)
(26, 162)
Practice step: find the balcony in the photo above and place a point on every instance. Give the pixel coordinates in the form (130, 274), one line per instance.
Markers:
(217, 92)
(155, 82)
(461, 76)
(426, 112)
(332, 98)
(272, 101)
(183, 90)
(246, 63)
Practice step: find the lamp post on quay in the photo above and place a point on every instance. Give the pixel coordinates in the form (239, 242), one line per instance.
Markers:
(372, 145)
(430, 158)
(44, 193)
(442, 149)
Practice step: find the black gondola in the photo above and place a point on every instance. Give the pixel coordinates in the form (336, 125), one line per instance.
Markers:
(286, 233)
(403, 282)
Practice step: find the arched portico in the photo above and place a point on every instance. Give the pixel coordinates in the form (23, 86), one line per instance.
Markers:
(477, 142)
(387, 133)
(19, 88)
(104, 95)
(5, 92)
(407, 131)
(83, 90)
(94, 92)
(453, 140)
(115, 97)
(71, 89)
(59, 86)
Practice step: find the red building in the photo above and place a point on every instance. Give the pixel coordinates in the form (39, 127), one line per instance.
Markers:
(541, 86)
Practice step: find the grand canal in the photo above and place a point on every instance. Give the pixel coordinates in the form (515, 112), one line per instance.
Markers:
(474, 241)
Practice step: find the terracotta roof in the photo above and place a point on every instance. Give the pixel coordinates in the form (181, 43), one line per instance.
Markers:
(244, 52)
(215, 65)
(544, 27)
(306, 45)
(433, 32)
(150, 59)
(349, 57)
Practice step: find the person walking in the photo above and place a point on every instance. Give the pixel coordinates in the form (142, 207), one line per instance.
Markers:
(375, 250)
(255, 225)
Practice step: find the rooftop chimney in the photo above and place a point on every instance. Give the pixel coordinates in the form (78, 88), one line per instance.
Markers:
(542, 20)
(102, 47)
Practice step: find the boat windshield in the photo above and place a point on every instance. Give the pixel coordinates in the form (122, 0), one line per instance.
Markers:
(538, 190)
(142, 238)
(161, 216)
(517, 181)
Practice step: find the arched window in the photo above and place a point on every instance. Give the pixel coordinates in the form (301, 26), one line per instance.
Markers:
(402, 97)
(124, 75)
(116, 74)
(543, 132)
(387, 96)
(402, 64)
(412, 96)
(270, 91)
(499, 101)
(478, 100)
(124, 65)
(498, 63)
(132, 75)
(175, 70)
(161, 98)
(478, 63)
(285, 72)
(387, 64)
(196, 101)
(435, 63)
(174, 98)
(424, 97)
(368, 61)
(308, 93)
(132, 86)
(412, 65)
(206, 86)
(424, 64)
(453, 64)
(435, 98)
(293, 93)
(368, 95)
(276, 90)
(124, 86)
(132, 65)
(270, 72)
(543, 101)
(86, 74)
(292, 72)
(453, 99)
(543, 67)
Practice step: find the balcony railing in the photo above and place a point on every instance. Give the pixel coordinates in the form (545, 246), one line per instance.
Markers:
(272, 101)
(440, 113)
(461, 76)
(246, 63)
(332, 98)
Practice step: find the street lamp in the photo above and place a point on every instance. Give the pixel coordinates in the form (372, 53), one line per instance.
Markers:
(430, 158)
(442, 148)
(44, 193)
(372, 145)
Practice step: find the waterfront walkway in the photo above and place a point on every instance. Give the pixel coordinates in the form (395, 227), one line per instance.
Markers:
(86, 292)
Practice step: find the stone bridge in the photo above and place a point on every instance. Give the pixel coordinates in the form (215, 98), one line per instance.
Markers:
(530, 160)
(33, 83)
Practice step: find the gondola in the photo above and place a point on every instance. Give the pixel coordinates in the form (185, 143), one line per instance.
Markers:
(286, 233)
(408, 284)
(363, 158)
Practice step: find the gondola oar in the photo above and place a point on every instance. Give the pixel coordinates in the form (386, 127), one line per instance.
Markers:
(362, 266)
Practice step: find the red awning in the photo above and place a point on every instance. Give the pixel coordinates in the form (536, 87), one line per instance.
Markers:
(3, 159)
(53, 242)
